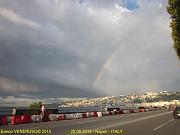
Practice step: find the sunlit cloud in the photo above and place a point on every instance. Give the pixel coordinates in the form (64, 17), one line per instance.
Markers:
(16, 18)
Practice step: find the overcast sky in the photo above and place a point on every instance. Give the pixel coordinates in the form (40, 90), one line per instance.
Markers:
(85, 48)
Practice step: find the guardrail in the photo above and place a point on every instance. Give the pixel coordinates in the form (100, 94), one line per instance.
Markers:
(22, 119)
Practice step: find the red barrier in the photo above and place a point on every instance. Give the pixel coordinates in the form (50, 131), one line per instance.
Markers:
(123, 111)
(62, 117)
(3, 120)
(110, 113)
(26, 119)
(141, 110)
(84, 115)
(95, 114)
(115, 112)
(120, 111)
(131, 111)
(15, 120)
(45, 117)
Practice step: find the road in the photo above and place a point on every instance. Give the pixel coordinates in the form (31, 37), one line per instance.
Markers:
(146, 123)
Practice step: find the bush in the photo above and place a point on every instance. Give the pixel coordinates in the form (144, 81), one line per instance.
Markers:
(35, 105)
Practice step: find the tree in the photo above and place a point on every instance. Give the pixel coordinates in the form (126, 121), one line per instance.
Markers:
(173, 9)
(35, 105)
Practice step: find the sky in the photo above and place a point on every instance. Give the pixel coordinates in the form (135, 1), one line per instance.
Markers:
(85, 48)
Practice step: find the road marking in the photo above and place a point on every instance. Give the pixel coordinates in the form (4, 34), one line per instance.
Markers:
(104, 118)
(86, 121)
(163, 125)
(132, 121)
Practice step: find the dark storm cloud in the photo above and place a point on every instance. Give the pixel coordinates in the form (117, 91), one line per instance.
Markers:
(32, 55)
(41, 90)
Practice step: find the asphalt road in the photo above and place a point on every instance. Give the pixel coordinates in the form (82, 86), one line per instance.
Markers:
(146, 123)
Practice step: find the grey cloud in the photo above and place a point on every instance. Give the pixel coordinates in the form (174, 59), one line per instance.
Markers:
(75, 38)
(12, 16)
(147, 61)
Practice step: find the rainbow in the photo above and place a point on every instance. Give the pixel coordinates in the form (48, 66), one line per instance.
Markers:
(105, 65)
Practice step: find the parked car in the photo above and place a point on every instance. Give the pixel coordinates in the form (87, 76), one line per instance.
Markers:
(176, 112)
